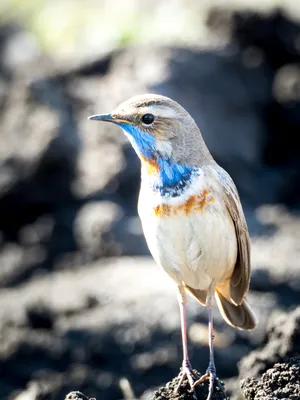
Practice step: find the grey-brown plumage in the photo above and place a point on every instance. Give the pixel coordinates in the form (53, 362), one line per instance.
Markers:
(230, 294)
(191, 214)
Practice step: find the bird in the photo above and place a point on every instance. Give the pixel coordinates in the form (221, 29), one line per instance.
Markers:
(191, 216)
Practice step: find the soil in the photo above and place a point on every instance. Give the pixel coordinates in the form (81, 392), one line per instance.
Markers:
(83, 306)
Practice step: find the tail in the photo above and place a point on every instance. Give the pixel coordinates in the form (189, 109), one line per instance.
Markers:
(238, 316)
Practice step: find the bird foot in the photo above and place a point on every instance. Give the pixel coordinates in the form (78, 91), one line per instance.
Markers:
(186, 372)
(212, 376)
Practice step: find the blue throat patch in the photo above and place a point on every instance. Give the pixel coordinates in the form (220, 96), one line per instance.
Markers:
(143, 142)
(172, 178)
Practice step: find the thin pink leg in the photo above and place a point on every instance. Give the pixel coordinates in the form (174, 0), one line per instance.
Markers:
(211, 336)
(187, 371)
(182, 308)
(211, 370)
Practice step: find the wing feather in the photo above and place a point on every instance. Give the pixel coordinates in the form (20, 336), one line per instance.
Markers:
(240, 279)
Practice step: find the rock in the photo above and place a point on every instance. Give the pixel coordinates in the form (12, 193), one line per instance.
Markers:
(283, 342)
(77, 396)
(280, 382)
(169, 392)
(101, 324)
(68, 194)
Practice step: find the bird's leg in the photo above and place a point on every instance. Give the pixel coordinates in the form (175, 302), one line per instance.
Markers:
(186, 371)
(211, 336)
(211, 370)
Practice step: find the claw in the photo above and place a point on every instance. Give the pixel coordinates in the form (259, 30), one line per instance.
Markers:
(186, 372)
(211, 375)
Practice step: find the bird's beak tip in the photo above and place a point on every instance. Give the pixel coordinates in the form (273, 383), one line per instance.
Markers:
(100, 117)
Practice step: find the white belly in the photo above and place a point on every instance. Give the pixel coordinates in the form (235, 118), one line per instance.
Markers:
(198, 248)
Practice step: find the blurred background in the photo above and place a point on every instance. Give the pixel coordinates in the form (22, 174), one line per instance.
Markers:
(82, 305)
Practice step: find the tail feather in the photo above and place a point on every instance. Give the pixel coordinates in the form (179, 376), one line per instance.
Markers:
(238, 316)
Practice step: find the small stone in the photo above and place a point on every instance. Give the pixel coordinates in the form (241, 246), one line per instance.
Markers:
(77, 396)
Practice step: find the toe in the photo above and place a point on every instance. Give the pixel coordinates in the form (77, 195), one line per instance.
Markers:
(200, 380)
(186, 373)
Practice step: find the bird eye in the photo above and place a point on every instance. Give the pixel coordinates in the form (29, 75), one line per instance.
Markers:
(147, 119)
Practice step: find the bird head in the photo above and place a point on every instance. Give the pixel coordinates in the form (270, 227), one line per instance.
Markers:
(159, 129)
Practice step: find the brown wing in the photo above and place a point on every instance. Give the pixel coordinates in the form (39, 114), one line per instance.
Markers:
(239, 282)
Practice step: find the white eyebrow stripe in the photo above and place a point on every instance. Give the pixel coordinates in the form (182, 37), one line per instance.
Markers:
(164, 112)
